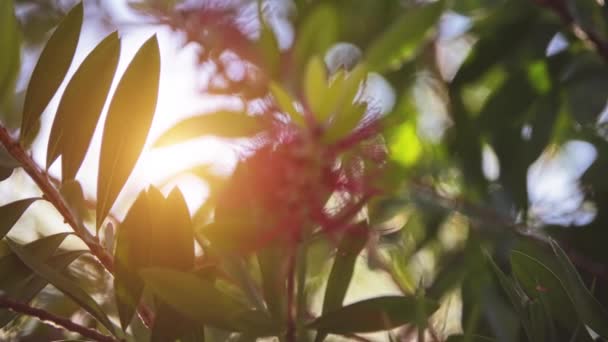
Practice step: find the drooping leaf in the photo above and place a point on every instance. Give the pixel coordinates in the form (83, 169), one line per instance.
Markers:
(403, 38)
(223, 124)
(16, 279)
(63, 284)
(31, 286)
(285, 103)
(10, 213)
(50, 71)
(10, 59)
(126, 128)
(376, 314)
(589, 309)
(193, 297)
(81, 105)
(342, 270)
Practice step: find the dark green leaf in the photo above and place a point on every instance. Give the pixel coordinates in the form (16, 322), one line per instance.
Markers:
(132, 254)
(221, 124)
(50, 71)
(81, 105)
(63, 284)
(272, 267)
(381, 313)
(342, 271)
(10, 59)
(195, 298)
(10, 213)
(126, 128)
(32, 285)
(268, 45)
(588, 308)
(403, 38)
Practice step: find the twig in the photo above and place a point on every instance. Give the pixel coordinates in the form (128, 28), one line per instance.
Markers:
(52, 195)
(561, 9)
(290, 335)
(45, 316)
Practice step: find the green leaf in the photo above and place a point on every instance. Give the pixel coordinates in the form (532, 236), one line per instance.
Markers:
(10, 59)
(339, 99)
(126, 128)
(403, 38)
(315, 86)
(223, 124)
(131, 254)
(272, 268)
(31, 286)
(268, 45)
(285, 102)
(81, 105)
(63, 284)
(14, 274)
(50, 71)
(72, 193)
(342, 270)
(195, 298)
(376, 314)
(588, 308)
(10, 213)
(316, 34)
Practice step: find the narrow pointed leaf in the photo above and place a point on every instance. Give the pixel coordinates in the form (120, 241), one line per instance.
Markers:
(81, 105)
(16, 278)
(590, 310)
(10, 213)
(403, 37)
(342, 270)
(10, 58)
(315, 86)
(29, 288)
(268, 45)
(222, 124)
(173, 246)
(274, 287)
(316, 34)
(375, 314)
(126, 128)
(50, 71)
(63, 284)
(132, 254)
(285, 103)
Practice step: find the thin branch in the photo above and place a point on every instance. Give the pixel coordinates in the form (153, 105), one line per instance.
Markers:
(45, 316)
(52, 195)
(560, 8)
(290, 335)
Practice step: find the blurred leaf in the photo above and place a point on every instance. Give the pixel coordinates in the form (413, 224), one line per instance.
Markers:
(10, 59)
(81, 105)
(376, 314)
(223, 124)
(126, 128)
(50, 71)
(31, 286)
(342, 270)
(404, 37)
(268, 45)
(274, 287)
(193, 297)
(63, 284)
(285, 103)
(588, 308)
(315, 86)
(317, 32)
(10, 213)
(474, 338)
